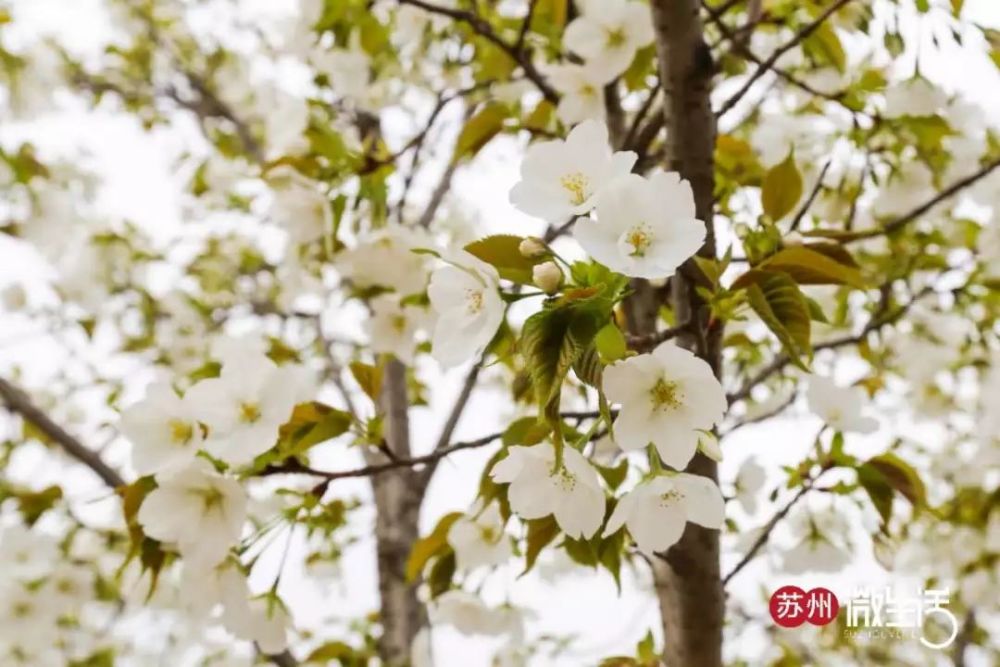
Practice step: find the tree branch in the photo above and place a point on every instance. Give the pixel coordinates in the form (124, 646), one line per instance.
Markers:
(766, 533)
(783, 360)
(769, 64)
(486, 31)
(947, 193)
(295, 468)
(451, 423)
(19, 402)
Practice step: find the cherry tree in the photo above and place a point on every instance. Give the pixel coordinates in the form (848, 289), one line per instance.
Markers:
(726, 215)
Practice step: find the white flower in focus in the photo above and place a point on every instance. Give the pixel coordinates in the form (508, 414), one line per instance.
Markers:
(572, 493)
(582, 90)
(645, 228)
(465, 297)
(198, 509)
(666, 398)
(265, 621)
(468, 614)
(245, 407)
(298, 206)
(163, 429)
(610, 32)
(385, 259)
(560, 178)
(479, 539)
(839, 407)
(913, 97)
(393, 327)
(657, 511)
(749, 481)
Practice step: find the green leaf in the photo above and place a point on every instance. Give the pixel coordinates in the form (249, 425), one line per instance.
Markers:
(369, 378)
(816, 313)
(807, 267)
(502, 252)
(311, 424)
(479, 130)
(441, 574)
(610, 342)
(540, 533)
(555, 338)
(614, 476)
(780, 304)
(901, 476)
(782, 188)
(878, 489)
(33, 504)
(525, 431)
(824, 45)
(428, 547)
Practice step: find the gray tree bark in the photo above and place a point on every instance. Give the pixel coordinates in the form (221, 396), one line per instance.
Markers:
(687, 579)
(398, 496)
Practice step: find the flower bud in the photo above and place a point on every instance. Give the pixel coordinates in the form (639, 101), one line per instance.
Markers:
(547, 276)
(532, 248)
(708, 445)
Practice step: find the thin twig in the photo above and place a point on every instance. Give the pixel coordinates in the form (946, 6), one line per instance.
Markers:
(783, 360)
(19, 402)
(765, 534)
(769, 64)
(296, 468)
(947, 193)
(451, 423)
(485, 30)
(812, 197)
(649, 341)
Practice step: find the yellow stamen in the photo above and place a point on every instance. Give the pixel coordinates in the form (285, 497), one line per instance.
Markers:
(576, 184)
(666, 395)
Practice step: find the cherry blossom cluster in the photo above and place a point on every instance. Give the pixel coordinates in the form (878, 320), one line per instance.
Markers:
(220, 423)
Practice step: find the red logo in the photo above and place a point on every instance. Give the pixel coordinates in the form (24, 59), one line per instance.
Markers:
(791, 606)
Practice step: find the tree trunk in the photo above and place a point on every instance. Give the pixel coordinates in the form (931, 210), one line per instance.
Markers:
(398, 496)
(688, 583)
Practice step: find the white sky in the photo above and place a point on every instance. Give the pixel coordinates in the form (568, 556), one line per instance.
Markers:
(139, 186)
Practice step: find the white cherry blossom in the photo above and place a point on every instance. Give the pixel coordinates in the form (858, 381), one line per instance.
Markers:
(572, 493)
(610, 32)
(245, 407)
(265, 621)
(656, 511)
(465, 298)
(299, 206)
(469, 614)
(385, 258)
(749, 481)
(199, 510)
(393, 327)
(479, 539)
(561, 178)
(839, 407)
(163, 429)
(913, 97)
(824, 545)
(26, 553)
(348, 71)
(645, 228)
(667, 397)
(582, 90)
